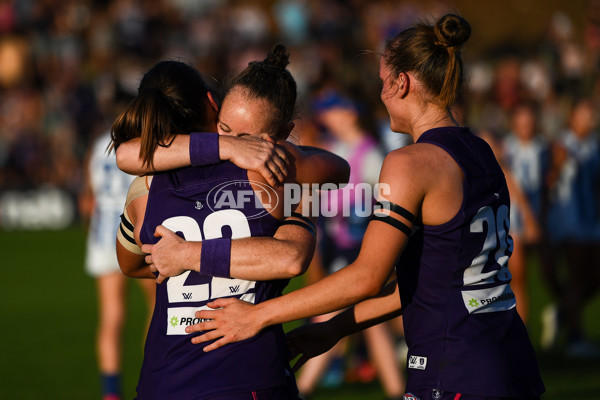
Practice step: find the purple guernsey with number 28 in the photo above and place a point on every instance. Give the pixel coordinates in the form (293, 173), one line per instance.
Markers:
(462, 329)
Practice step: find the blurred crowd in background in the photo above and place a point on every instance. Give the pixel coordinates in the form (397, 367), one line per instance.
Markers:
(67, 68)
(63, 65)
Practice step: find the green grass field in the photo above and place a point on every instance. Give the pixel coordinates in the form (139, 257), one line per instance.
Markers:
(48, 316)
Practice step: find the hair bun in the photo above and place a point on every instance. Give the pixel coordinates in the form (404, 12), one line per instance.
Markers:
(278, 57)
(452, 31)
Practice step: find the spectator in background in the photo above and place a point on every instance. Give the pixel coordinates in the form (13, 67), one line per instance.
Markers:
(574, 222)
(525, 153)
(341, 234)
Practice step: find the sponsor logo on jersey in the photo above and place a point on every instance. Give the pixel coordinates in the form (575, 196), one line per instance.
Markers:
(410, 396)
(497, 298)
(502, 297)
(436, 394)
(417, 362)
(175, 321)
(178, 318)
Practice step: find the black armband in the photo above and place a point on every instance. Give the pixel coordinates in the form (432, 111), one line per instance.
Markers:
(126, 229)
(308, 227)
(388, 205)
(305, 219)
(393, 222)
(125, 236)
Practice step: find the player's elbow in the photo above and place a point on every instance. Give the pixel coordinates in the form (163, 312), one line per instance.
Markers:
(295, 269)
(297, 260)
(137, 273)
(366, 286)
(131, 265)
(121, 155)
(125, 159)
(370, 289)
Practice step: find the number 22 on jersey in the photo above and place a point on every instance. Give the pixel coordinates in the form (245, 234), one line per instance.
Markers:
(178, 317)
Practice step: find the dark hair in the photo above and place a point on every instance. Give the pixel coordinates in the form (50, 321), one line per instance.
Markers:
(270, 80)
(433, 53)
(171, 100)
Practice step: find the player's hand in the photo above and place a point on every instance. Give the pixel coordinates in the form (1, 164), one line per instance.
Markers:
(234, 320)
(255, 154)
(168, 255)
(309, 341)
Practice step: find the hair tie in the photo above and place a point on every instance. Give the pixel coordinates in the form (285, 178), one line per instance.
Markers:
(440, 43)
(270, 68)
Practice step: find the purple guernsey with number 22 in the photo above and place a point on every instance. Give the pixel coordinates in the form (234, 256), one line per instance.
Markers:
(202, 203)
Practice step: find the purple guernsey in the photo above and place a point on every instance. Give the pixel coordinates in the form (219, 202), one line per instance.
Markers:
(462, 328)
(200, 204)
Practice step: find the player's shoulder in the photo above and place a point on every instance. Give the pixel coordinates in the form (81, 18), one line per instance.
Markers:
(418, 164)
(140, 186)
(413, 155)
(401, 162)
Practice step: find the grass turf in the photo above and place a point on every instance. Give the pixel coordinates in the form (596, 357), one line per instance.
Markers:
(48, 321)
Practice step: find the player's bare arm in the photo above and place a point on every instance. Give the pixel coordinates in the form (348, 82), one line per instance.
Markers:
(366, 276)
(247, 152)
(313, 339)
(285, 255)
(129, 254)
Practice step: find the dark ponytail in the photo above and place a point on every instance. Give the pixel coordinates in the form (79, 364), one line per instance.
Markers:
(172, 99)
(434, 54)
